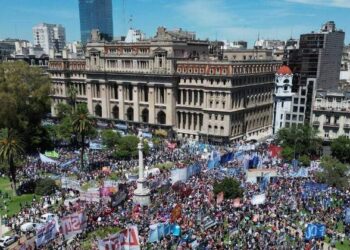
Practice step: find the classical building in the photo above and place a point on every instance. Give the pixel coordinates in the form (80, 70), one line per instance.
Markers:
(331, 114)
(168, 81)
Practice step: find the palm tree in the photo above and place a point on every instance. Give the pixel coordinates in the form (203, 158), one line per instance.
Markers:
(82, 125)
(11, 148)
(72, 96)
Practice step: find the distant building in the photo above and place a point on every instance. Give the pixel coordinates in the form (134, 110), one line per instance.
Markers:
(247, 54)
(7, 47)
(235, 45)
(96, 14)
(49, 36)
(289, 107)
(134, 36)
(318, 56)
(331, 114)
(345, 67)
(269, 44)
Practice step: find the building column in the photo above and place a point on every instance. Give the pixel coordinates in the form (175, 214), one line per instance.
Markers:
(170, 102)
(105, 100)
(187, 97)
(121, 102)
(135, 98)
(193, 101)
(151, 105)
(89, 97)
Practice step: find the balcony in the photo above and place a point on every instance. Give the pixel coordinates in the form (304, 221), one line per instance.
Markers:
(346, 126)
(331, 125)
(316, 123)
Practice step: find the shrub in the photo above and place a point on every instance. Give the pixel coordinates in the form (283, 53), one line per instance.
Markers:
(45, 186)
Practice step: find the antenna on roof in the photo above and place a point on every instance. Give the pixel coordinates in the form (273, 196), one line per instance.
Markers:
(130, 22)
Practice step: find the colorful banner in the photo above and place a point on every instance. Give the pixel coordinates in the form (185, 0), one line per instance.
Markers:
(73, 224)
(128, 239)
(46, 233)
(68, 183)
(52, 154)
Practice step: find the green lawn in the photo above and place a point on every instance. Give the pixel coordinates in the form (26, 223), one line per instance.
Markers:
(13, 201)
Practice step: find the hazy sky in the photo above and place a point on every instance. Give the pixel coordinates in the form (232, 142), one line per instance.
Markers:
(221, 19)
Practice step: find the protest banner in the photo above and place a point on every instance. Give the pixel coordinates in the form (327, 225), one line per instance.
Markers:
(315, 231)
(46, 233)
(258, 199)
(127, 239)
(73, 224)
(347, 215)
(91, 195)
(68, 183)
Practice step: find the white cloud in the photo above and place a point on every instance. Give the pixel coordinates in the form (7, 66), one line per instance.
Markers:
(331, 3)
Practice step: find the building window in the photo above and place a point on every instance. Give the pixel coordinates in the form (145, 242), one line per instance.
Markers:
(301, 109)
(295, 109)
(303, 92)
(288, 117)
(301, 118)
(302, 100)
(296, 100)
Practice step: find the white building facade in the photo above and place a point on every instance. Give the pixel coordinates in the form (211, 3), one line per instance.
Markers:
(283, 97)
(49, 36)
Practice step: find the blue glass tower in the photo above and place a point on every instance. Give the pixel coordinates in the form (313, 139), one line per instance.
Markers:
(96, 14)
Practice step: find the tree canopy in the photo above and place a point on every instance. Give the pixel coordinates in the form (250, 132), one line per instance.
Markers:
(334, 173)
(230, 187)
(110, 138)
(303, 139)
(24, 101)
(341, 148)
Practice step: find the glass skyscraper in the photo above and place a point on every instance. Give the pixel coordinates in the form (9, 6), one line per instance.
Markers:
(95, 14)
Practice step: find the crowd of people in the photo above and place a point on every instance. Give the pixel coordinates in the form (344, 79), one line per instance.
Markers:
(278, 223)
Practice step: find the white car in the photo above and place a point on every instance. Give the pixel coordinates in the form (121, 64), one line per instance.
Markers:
(8, 240)
(47, 217)
(29, 227)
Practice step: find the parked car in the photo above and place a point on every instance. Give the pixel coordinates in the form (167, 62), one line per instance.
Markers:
(29, 227)
(8, 240)
(47, 217)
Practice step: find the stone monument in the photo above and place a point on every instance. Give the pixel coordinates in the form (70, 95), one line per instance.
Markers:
(141, 193)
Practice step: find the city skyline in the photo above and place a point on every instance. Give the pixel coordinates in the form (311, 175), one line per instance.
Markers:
(230, 20)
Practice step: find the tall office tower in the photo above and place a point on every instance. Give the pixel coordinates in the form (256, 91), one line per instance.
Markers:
(318, 57)
(96, 14)
(49, 36)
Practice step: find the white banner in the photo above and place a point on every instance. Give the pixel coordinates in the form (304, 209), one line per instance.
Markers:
(46, 159)
(91, 195)
(70, 184)
(46, 233)
(73, 224)
(258, 199)
(128, 239)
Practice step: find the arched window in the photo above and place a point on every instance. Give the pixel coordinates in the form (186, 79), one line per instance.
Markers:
(161, 117)
(98, 110)
(130, 114)
(286, 81)
(115, 112)
(145, 115)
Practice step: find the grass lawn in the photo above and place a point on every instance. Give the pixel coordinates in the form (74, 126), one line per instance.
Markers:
(345, 246)
(13, 204)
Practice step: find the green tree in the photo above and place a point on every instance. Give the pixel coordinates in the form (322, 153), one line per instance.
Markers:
(24, 101)
(127, 147)
(287, 153)
(82, 126)
(45, 186)
(72, 97)
(110, 138)
(334, 173)
(305, 160)
(11, 149)
(230, 186)
(63, 110)
(341, 148)
(302, 138)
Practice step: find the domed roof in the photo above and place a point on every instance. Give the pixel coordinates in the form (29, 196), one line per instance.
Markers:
(284, 70)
